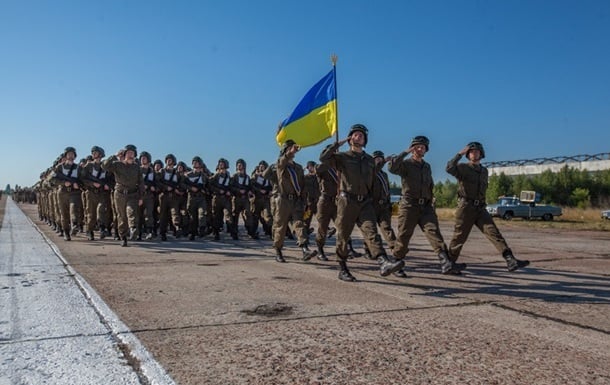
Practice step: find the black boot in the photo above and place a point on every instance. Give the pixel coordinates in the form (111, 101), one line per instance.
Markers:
(344, 274)
(367, 253)
(216, 235)
(388, 265)
(90, 236)
(447, 266)
(124, 242)
(400, 273)
(513, 263)
(163, 237)
(307, 253)
(67, 236)
(279, 256)
(332, 231)
(102, 232)
(321, 254)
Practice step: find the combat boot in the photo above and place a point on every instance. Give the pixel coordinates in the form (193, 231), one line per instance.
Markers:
(90, 236)
(67, 236)
(388, 265)
(400, 273)
(308, 253)
(321, 254)
(447, 266)
(124, 242)
(332, 231)
(344, 273)
(513, 263)
(163, 237)
(279, 257)
(216, 235)
(102, 232)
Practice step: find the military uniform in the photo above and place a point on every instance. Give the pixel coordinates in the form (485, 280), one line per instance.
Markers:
(128, 191)
(149, 197)
(242, 193)
(312, 194)
(471, 211)
(328, 180)
(169, 181)
(69, 201)
(354, 204)
(260, 204)
(97, 195)
(222, 205)
(382, 204)
(416, 205)
(289, 203)
(197, 206)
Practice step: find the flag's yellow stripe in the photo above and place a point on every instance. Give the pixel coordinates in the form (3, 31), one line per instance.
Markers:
(312, 128)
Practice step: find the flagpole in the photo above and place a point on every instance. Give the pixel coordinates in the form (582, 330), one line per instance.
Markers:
(333, 59)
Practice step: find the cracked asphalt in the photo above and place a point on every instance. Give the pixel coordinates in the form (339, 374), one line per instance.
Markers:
(226, 313)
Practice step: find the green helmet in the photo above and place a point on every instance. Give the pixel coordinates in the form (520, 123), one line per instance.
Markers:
(131, 147)
(476, 146)
(69, 149)
(362, 128)
(421, 140)
(146, 154)
(224, 162)
(263, 163)
(287, 144)
(243, 162)
(170, 156)
(378, 154)
(197, 159)
(98, 149)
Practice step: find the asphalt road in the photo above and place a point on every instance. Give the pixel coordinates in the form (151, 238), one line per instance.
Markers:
(226, 313)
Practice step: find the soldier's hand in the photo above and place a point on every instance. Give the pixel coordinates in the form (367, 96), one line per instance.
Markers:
(67, 184)
(464, 150)
(96, 185)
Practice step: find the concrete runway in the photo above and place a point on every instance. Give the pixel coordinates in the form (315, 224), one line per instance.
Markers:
(226, 313)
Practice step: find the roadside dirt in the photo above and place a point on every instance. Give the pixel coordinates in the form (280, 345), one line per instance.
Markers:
(227, 313)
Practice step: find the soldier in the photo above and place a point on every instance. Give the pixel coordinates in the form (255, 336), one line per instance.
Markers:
(416, 206)
(66, 176)
(168, 181)
(98, 194)
(128, 190)
(157, 167)
(242, 193)
(220, 186)
(149, 197)
(290, 202)
(197, 182)
(472, 180)
(381, 201)
(182, 192)
(260, 204)
(328, 180)
(354, 204)
(312, 194)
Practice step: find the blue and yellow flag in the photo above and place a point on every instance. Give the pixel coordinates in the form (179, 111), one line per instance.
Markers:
(315, 117)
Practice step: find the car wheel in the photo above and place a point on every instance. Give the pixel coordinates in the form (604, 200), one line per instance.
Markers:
(547, 217)
(508, 215)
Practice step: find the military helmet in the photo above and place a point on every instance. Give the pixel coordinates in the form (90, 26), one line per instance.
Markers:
(183, 165)
(240, 160)
(224, 162)
(158, 161)
(420, 139)
(170, 156)
(146, 154)
(287, 144)
(378, 154)
(197, 159)
(362, 128)
(311, 163)
(476, 146)
(69, 149)
(263, 163)
(89, 158)
(131, 147)
(98, 149)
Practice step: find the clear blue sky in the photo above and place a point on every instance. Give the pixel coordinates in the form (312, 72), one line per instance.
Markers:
(528, 78)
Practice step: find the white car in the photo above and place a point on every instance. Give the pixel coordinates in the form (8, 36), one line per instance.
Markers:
(606, 214)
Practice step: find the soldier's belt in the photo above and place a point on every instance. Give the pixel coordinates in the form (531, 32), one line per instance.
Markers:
(474, 202)
(418, 201)
(290, 197)
(354, 197)
(69, 189)
(127, 191)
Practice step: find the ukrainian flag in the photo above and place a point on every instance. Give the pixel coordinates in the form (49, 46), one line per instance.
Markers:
(315, 117)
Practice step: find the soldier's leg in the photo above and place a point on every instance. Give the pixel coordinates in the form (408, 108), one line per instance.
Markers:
(63, 204)
(486, 224)
(176, 216)
(408, 218)
(384, 219)
(464, 220)
(76, 211)
(202, 216)
(123, 221)
(280, 222)
(164, 216)
(193, 214)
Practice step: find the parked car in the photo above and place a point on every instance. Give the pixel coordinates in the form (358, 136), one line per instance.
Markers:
(606, 214)
(512, 207)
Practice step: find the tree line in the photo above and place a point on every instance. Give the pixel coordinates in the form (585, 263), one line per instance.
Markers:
(568, 188)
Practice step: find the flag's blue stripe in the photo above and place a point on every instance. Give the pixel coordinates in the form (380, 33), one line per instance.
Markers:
(319, 95)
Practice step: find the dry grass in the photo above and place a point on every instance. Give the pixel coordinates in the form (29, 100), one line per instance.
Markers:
(572, 219)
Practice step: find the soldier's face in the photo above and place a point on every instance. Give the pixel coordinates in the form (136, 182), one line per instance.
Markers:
(197, 165)
(144, 161)
(420, 150)
(474, 155)
(96, 155)
(169, 162)
(158, 167)
(130, 156)
(240, 167)
(357, 139)
(378, 160)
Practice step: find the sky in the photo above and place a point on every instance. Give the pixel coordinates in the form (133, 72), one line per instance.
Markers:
(528, 79)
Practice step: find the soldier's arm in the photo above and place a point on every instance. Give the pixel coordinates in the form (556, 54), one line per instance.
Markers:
(328, 155)
(452, 165)
(109, 164)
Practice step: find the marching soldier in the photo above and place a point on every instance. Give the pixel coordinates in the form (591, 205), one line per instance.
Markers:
(312, 194)
(168, 182)
(328, 180)
(416, 208)
(182, 191)
(128, 190)
(290, 202)
(260, 204)
(98, 194)
(220, 186)
(197, 182)
(66, 176)
(472, 180)
(242, 193)
(354, 204)
(149, 197)
(381, 200)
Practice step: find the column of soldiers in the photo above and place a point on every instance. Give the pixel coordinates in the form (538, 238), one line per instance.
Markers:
(140, 199)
